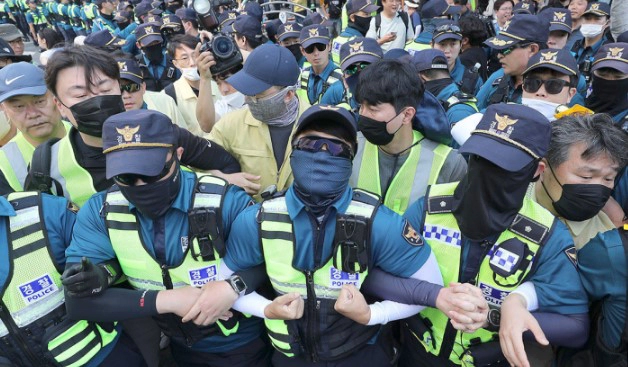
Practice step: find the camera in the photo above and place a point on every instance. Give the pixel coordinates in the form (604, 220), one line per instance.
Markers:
(225, 51)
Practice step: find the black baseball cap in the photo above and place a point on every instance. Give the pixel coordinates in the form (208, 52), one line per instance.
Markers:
(312, 34)
(130, 70)
(338, 115)
(104, 38)
(612, 55)
(429, 59)
(598, 8)
(148, 33)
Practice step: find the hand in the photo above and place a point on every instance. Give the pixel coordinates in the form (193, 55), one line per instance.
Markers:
(285, 307)
(84, 279)
(465, 305)
(215, 300)
(351, 304)
(247, 181)
(515, 319)
(204, 60)
(388, 37)
(177, 301)
(205, 36)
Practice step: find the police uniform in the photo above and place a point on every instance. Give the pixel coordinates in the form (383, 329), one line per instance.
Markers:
(111, 227)
(351, 7)
(100, 23)
(584, 55)
(613, 56)
(157, 76)
(36, 229)
(534, 248)
(315, 85)
(37, 19)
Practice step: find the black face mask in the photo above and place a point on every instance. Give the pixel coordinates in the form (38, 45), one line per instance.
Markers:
(437, 86)
(153, 53)
(579, 202)
(173, 7)
(375, 131)
(153, 200)
(488, 198)
(295, 50)
(123, 25)
(604, 96)
(92, 113)
(362, 24)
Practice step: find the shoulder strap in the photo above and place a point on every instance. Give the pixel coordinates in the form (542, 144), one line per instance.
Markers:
(205, 218)
(458, 98)
(171, 92)
(501, 93)
(378, 22)
(404, 17)
(38, 178)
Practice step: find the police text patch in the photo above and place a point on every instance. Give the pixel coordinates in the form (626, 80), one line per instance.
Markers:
(338, 278)
(38, 289)
(202, 276)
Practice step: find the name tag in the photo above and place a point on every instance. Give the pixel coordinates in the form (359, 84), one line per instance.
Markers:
(338, 278)
(38, 289)
(202, 276)
(492, 295)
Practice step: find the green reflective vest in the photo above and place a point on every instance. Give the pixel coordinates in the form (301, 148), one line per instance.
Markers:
(322, 332)
(38, 16)
(15, 157)
(414, 46)
(76, 181)
(34, 290)
(90, 10)
(333, 77)
(420, 169)
(500, 272)
(335, 48)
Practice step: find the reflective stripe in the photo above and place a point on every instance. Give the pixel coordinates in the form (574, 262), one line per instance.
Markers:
(76, 181)
(15, 157)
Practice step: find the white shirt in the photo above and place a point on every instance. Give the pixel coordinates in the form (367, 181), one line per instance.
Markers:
(392, 25)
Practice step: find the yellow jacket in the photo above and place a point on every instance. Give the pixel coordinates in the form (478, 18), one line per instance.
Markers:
(165, 104)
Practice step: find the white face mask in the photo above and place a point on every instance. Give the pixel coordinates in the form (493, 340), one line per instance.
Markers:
(191, 74)
(547, 109)
(591, 30)
(235, 100)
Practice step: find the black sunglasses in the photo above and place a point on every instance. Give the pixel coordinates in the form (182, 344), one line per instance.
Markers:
(131, 88)
(129, 179)
(316, 144)
(552, 86)
(319, 46)
(509, 50)
(356, 68)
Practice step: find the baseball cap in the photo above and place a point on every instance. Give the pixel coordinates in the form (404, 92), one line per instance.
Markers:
(555, 59)
(21, 78)
(313, 18)
(104, 38)
(137, 142)
(186, 14)
(271, 27)
(130, 70)
(312, 34)
(360, 49)
(148, 33)
(123, 16)
(522, 8)
(438, 8)
(446, 32)
(248, 26)
(559, 19)
(171, 21)
(429, 59)
(510, 136)
(227, 18)
(143, 8)
(268, 65)
(612, 55)
(367, 6)
(254, 10)
(598, 8)
(7, 52)
(154, 20)
(521, 28)
(398, 54)
(9, 32)
(289, 30)
(340, 116)
(623, 38)
(412, 3)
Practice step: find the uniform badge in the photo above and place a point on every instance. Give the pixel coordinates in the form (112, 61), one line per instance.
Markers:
(507, 257)
(128, 132)
(72, 207)
(411, 235)
(572, 255)
(559, 17)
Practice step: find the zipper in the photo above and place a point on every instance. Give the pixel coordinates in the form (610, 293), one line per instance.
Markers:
(313, 305)
(16, 334)
(165, 275)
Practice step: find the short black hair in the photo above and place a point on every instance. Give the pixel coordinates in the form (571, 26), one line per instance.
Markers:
(227, 73)
(390, 81)
(52, 37)
(87, 57)
(181, 39)
(474, 29)
(251, 41)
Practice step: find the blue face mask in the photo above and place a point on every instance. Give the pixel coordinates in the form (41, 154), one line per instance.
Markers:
(319, 178)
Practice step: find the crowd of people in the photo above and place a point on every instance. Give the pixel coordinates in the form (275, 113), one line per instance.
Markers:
(343, 183)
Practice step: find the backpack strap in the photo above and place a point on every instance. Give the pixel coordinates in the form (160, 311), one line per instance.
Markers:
(169, 90)
(501, 93)
(38, 178)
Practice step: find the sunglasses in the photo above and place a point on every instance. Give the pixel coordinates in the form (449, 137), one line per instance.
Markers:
(316, 144)
(319, 46)
(131, 88)
(129, 179)
(449, 28)
(354, 69)
(509, 50)
(552, 86)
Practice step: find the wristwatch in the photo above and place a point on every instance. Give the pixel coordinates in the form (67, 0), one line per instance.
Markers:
(237, 283)
(493, 318)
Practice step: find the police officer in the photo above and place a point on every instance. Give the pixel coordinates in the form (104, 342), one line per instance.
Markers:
(559, 26)
(433, 14)
(105, 20)
(160, 71)
(394, 160)
(288, 36)
(36, 19)
(359, 17)
(306, 234)
(159, 216)
(321, 72)
(105, 40)
(259, 136)
(433, 70)
(595, 29)
(36, 230)
(524, 36)
(487, 232)
(29, 106)
(609, 79)
(76, 161)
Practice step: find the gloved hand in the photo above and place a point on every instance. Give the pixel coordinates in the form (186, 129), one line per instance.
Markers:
(86, 279)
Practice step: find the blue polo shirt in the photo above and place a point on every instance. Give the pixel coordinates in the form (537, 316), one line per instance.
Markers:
(488, 89)
(582, 53)
(556, 278)
(315, 82)
(458, 111)
(335, 95)
(602, 265)
(458, 73)
(58, 220)
(390, 251)
(351, 32)
(91, 239)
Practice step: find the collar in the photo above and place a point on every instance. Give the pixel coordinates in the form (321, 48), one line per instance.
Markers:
(144, 106)
(6, 209)
(295, 205)
(327, 71)
(186, 190)
(350, 32)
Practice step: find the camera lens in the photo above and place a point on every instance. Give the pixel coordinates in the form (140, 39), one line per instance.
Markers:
(222, 46)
